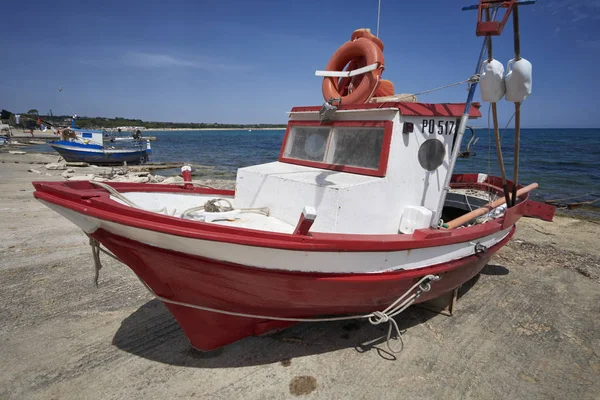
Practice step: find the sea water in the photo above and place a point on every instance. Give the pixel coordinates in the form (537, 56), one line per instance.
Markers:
(565, 162)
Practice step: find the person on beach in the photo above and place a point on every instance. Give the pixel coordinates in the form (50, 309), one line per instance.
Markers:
(31, 131)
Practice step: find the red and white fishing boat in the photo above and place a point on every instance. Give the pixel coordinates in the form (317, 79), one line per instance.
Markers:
(348, 219)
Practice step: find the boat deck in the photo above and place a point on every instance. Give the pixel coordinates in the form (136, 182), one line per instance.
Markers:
(175, 205)
(178, 204)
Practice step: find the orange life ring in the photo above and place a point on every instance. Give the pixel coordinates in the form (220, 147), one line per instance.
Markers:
(366, 33)
(347, 84)
(347, 53)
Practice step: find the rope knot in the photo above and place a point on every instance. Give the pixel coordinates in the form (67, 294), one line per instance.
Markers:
(475, 78)
(379, 317)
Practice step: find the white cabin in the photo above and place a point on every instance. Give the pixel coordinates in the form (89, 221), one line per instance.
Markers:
(361, 170)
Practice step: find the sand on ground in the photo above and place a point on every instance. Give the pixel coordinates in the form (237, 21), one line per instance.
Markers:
(526, 328)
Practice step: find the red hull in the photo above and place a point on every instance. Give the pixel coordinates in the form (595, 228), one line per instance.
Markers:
(219, 285)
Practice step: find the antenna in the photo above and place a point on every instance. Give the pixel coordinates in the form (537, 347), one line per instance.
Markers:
(378, 14)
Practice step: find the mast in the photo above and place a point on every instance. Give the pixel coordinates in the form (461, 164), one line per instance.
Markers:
(517, 46)
(461, 131)
(497, 129)
(488, 28)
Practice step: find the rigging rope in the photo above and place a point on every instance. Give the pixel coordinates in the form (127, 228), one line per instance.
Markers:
(378, 16)
(472, 79)
(374, 318)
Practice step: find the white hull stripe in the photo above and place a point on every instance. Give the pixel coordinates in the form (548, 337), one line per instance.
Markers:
(99, 151)
(290, 260)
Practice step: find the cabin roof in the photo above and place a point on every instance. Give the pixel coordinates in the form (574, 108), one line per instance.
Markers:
(409, 109)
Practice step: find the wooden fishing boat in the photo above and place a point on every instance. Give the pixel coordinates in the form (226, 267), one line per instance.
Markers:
(73, 151)
(98, 147)
(359, 217)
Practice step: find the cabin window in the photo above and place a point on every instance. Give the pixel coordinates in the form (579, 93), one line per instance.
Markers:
(356, 147)
(349, 146)
(308, 143)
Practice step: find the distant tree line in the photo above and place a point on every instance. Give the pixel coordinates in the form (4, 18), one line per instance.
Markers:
(30, 118)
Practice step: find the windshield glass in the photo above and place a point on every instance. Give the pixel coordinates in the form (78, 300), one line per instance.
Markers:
(352, 146)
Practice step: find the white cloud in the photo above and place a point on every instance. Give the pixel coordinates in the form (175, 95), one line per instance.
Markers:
(575, 10)
(156, 60)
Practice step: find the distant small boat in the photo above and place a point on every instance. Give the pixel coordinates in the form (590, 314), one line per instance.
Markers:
(73, 151)
(86, 145)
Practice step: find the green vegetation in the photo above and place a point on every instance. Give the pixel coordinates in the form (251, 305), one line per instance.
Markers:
(97, 122)
(30, 118)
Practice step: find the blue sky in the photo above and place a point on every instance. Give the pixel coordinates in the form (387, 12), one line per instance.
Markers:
(251, 61)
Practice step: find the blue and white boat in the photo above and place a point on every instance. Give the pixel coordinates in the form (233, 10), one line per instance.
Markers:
(88, 145)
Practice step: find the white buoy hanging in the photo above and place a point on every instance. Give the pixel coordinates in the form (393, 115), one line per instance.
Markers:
(491, 81)
(518, 80)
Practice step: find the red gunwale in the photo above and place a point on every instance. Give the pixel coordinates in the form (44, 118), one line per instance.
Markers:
(383, 157)
(409, 109)
(86, 199)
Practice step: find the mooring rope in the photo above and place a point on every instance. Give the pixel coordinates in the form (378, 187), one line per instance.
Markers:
(375, 318)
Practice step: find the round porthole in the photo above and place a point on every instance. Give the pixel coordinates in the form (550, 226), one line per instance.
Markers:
(431, 154)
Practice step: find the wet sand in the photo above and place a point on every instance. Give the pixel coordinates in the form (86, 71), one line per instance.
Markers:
(527, 328)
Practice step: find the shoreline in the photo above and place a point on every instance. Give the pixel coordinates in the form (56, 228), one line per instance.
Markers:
(49, 134)
(201, 171)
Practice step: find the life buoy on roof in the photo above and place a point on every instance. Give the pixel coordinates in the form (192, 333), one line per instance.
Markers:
(363, 49)
(366, 33)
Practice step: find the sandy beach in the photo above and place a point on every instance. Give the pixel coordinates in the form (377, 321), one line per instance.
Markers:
(526, 328)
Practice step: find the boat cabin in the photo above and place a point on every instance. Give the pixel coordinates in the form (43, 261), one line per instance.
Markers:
(90, 136)
(369, 169)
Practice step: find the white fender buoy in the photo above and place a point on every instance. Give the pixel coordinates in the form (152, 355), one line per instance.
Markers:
(491, 81)
(518, 80)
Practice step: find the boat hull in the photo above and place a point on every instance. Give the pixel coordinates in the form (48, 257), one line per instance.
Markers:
(269, 273)
(100, 156)
(237, 288)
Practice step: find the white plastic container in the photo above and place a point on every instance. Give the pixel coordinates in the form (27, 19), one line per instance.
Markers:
(491, 81)
(518, 80)
(414, 217)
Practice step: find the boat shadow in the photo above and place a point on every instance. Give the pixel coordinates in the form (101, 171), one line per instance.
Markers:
(151, 332)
